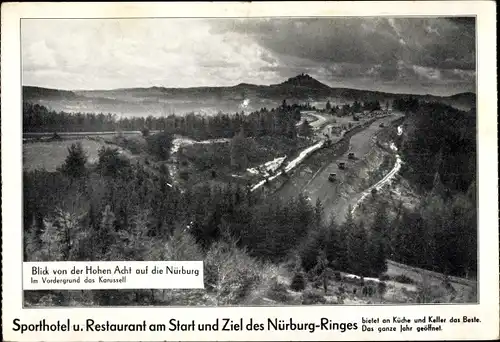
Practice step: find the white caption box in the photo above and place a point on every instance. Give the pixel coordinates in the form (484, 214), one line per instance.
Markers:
(100, 275)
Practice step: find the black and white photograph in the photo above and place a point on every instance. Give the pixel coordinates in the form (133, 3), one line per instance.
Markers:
(305, 160)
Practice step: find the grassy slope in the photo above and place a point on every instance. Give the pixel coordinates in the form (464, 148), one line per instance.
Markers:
(50, 155)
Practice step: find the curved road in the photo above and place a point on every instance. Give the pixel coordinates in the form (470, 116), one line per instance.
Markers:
(312, 180)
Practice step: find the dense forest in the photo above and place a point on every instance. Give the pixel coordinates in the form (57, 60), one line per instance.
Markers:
(276, 121)
(129, 213)
(439, 154)
(119, 210)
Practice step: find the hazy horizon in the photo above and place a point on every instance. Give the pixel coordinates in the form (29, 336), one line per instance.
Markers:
(217, 86)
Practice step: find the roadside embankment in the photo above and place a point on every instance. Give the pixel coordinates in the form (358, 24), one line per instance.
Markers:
(367, 176)
(312, 160)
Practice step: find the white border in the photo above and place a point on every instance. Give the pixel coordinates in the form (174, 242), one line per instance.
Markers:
(487, 310)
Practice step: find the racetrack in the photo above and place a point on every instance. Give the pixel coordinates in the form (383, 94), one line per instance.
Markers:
(311, 178)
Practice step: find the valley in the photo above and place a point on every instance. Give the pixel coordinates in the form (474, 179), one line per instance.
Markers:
(159, 101)
(331, 179)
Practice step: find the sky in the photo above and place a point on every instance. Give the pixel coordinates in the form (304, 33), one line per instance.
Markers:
(420, 56)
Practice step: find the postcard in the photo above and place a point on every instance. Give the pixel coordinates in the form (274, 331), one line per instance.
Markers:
(249, 171)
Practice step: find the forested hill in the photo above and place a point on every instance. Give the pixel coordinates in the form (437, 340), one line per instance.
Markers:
(439, 153)
(30, 93)
(441, 142)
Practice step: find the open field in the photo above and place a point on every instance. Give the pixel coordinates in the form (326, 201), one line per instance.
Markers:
(50, 155)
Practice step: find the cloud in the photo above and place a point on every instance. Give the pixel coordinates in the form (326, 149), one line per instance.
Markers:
(130, 53)
(39, 55)
(385, 50)
(432, 42)
(403, 54)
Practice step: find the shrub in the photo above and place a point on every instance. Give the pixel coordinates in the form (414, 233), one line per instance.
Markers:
(164, 169)
(181, 246)
(159, 145)
(404, 279)
(133, 145)
(431, 293)
(381, 287)
(340, 290)
(55, 137)
(74, 165)
(352, 280)
(278, 292)
(384, 277)
(318, 282)
(111, 163)
(368, 290)
(230, 273)
(310, 297)
(298, 282)
(184, 175)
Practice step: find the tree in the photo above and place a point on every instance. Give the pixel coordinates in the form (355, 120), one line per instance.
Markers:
(342, 242)
(438, 188)
(379, 242)
(107, 233)
(291, 130)
(356, 106)
(381, 222)
(296, 114)
(346, 109)
(111, 163)
(357, 243)
(74, 165)
(377, 255)
(332, 246)
(239, 159)
(133, 243)
(305, 129)
(321, 271)
(62, 239)
(318, 212)
(159, 145)
(315, 242)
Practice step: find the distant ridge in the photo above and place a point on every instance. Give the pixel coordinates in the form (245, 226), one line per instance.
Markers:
(304, 81)
(39, 92)
(302, 87)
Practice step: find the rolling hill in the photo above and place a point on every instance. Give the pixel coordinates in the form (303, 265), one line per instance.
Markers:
(210, 100)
